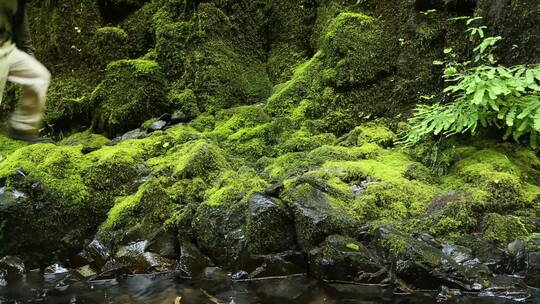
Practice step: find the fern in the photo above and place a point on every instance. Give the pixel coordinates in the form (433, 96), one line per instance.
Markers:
(485, 94)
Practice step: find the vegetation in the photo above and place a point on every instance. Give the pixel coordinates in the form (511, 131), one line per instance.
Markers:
(484, 95)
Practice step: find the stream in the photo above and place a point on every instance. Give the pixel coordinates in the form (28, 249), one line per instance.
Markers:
(168, 288)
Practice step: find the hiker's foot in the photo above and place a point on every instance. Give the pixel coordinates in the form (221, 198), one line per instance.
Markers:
(24, 135)
(29, 136)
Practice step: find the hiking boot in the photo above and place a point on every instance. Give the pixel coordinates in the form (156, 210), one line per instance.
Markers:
(24, 135)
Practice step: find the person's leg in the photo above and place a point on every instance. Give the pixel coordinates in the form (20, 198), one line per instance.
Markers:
(35, 78)
(4, 69)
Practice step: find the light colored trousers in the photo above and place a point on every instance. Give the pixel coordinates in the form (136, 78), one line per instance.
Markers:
(20, 68)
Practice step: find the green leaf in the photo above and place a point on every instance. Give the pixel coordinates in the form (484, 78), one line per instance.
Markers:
(479, 96)
(353, 246)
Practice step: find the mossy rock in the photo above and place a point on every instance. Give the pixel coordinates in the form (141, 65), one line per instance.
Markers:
(87, 140)
(122, 105)
(318, 214)
(269, 226)
(503, 229)
(340, 83)
(220, 221)
(190, 160)
(67, 104)
(109, 44)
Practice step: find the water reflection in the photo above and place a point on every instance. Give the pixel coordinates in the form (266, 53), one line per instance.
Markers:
(166, 288)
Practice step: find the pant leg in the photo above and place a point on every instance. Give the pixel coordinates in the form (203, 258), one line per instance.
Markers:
(34, 78)
(4, 70)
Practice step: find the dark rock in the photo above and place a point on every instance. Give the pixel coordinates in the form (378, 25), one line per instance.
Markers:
(11, 269)
(138, 260)
(274, 190)
(86, 272)
(277, 265)
(241, 275)
(214, 274)
(180, 117)
(269, 226)
(95, 254)
(424, 266)
(133, 134)
(341, 258)
(220, 233)
(55, 269)
(446, 294)
(533, 263)
(517, 258)
(192, 262)
(166, 117)
(315, 217)
(113, 269)
(164, 243)
(157, 125)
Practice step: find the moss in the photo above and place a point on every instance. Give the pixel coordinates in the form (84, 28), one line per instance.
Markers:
(303, 140)
(54, 23)
(495, 173)
(371, 133)
(136, 216)
(123, 105)
(209, 54)
(233, 187)
(146, 125)
(8, 146)
(319, 211)
(58, 168)
(349, 58)
(109, 44)
(88, 140)
(112, 173)
(189, 160)
(503, 229)
(453, 214)
(67, 103)
(185, 101)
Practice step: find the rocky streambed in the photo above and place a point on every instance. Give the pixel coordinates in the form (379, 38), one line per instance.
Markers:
(341, 270)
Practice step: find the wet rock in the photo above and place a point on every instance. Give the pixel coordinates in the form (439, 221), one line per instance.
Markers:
(214, 274)
(192, 262)
(342, 258)
(508, 287)
(533, 263)
(113, 269)
(138, 260)
(11, 269)
(164, 243)
(425, 266)
(220, 232)
(274, 190)
(517, 258)
(459, 254)
(86, 272)
(241, 275)
(166, 117)
(277, 265)
(95, 254)
(446, 294)
(269, 226)
(315, 217)
(179, 117)
(55, 269)
(157, 125)
(133, 134)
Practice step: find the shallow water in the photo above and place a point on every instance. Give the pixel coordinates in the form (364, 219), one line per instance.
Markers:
(166, 288)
